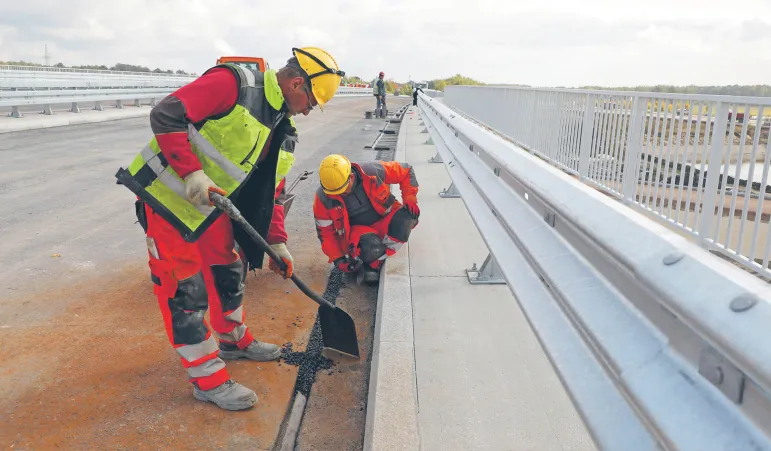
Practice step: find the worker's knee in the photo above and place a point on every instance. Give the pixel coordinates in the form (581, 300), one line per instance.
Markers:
(401, 225)
(187, 308)
(229, 282)
(371, 247)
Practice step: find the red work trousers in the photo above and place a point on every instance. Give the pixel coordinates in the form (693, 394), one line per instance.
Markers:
(375, 242)
(191, 277)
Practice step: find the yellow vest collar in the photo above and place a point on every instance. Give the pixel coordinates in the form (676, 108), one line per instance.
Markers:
(273, 90)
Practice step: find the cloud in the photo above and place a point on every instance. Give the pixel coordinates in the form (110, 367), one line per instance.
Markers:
(554, 43)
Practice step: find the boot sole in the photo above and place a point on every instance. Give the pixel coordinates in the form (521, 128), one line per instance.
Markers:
(235, 355)
(239, 405)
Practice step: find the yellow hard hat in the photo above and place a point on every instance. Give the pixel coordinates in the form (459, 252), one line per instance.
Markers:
(334, 173)
(322, 70)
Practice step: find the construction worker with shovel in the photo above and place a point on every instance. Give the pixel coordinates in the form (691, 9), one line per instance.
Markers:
(222, 133)
(359, 222)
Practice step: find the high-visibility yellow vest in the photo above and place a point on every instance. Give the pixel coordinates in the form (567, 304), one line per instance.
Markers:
(228, 148)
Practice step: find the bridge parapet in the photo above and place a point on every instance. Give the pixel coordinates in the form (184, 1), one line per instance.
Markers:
(660, 344)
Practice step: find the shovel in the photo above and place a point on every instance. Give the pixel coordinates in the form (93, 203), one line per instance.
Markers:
(338, 330)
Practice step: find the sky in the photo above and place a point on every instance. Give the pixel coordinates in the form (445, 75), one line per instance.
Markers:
(540, 43)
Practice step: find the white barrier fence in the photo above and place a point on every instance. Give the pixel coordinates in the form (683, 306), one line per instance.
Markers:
(652, 151)
(46, 92)
(660, 344)
(43, 78)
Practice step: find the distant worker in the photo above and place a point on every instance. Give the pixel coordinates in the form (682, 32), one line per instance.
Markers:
(358, 221)
(415, 95)
(379, 91)
(221, 133)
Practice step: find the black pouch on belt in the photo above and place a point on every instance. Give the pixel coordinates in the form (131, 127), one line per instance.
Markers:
(139, 206)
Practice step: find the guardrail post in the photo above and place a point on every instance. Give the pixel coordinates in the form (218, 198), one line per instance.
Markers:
(98, 106)
(634, 139)
(47, 110)
(75, 108)
(137, 103)
(489, 274)
(587, 130)
(119, 104)
(15, 112)
(153, 102)
(450, 192)
(714, 163)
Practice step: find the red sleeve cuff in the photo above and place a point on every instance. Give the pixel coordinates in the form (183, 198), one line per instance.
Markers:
(277, 232)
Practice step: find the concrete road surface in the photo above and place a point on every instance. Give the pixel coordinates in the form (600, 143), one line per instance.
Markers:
(84, 359)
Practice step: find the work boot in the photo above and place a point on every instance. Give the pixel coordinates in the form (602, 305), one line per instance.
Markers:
(229, 396)
(257, 350)
(367, 275)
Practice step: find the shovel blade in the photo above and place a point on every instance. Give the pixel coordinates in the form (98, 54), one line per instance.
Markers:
(338, 332)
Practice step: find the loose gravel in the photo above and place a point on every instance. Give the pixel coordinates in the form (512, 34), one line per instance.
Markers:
(311, 361)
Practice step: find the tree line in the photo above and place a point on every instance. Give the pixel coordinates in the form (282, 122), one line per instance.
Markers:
(117, 67)
(406, 87)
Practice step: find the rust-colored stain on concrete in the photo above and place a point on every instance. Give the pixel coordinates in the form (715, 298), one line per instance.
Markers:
(102, 375)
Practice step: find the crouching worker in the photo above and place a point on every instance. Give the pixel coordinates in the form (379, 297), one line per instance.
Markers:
(358, 220)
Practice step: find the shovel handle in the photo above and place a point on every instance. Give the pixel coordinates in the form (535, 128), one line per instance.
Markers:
(227, 206)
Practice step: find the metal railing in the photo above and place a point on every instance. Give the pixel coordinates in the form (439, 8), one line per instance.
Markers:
(653, 151)
(345, 91)
(660, 344)
(47, 98)
(42, 78)
(51, 69)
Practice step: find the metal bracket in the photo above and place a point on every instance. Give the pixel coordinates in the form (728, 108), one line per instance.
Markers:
(488, 274)
(722, 374)
(550, 218)
(450, 192)
(436, 158)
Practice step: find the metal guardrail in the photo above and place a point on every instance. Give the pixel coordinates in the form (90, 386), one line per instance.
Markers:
(660, 344)
(653, 151)
(46, 98)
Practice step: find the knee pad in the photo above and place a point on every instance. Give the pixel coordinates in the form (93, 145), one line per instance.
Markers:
(371, 247)
(401, 225)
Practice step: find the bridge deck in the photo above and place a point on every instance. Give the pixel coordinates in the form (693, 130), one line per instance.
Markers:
(85, 361)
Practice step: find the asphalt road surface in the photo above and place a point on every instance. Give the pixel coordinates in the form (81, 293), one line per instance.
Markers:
(84, 359)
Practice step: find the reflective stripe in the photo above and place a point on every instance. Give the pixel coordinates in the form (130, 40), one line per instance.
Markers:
(174, 183)
(214, 155)
(324, 222)
(249, 77)
(237, 315)
(390, 243)
(235, 335)
(207, 368)
(191, 353)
